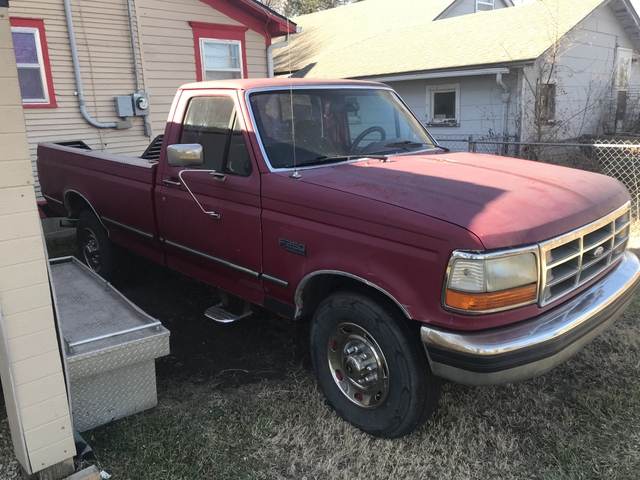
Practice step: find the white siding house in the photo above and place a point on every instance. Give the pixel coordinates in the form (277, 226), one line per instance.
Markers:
(587, 67)
(546, 70)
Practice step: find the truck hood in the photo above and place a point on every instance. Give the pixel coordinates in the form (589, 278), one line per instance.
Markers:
(504, 201)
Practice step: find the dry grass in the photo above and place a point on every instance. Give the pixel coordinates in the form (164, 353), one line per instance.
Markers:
(582, 420)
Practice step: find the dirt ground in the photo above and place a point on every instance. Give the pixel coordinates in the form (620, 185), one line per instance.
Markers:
(255, 348)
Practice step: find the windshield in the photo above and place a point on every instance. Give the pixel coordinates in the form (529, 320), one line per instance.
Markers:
(316, 125)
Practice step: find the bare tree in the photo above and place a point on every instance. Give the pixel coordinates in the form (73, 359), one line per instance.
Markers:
(561, 101)
(294, 8)
(275, 5)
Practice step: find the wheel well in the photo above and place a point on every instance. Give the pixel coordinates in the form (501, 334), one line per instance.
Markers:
(320, 286)
(76, 203)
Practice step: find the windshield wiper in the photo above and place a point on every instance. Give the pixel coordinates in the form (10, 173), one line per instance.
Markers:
(407, 144)
(335, 158)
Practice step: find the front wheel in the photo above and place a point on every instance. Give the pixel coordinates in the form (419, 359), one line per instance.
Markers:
(371, 368)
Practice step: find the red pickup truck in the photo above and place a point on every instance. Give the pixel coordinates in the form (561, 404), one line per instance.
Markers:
(329, 200)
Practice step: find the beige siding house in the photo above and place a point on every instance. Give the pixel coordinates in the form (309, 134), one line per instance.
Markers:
(172, 38)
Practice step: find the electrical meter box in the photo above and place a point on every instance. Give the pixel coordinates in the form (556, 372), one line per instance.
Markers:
(124, 106)
(140, 103)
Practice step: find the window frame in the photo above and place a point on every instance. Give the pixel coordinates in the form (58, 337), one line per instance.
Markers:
(443, 88)
(215, 32)
(623, 68)
(36, 26)
(486, 3)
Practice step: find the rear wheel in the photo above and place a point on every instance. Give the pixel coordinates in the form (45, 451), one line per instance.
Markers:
(94, 246)
(372, 369)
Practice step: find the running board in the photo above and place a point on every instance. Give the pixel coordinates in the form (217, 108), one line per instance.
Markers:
(219, 314)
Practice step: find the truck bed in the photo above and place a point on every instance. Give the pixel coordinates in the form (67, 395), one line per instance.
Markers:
(111, 184)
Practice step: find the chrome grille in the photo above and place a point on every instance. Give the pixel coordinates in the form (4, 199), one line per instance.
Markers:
(573, 259)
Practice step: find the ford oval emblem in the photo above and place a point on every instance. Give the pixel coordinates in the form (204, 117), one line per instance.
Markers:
(598, 251)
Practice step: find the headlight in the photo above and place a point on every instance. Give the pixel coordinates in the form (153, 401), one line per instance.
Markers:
(492, 282)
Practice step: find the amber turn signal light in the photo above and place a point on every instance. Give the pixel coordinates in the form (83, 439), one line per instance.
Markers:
(478, 302)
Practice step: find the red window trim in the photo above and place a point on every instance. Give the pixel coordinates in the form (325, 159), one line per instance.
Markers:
(218, 31)
(39, 24)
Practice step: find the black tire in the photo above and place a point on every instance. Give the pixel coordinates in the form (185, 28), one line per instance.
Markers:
(94, 247)
(388, 407)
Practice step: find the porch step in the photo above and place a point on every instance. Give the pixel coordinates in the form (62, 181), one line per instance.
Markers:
(219, 314)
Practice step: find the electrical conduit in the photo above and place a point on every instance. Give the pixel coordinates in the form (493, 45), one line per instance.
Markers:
(76, 71)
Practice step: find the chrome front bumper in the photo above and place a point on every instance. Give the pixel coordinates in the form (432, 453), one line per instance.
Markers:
(530, 348)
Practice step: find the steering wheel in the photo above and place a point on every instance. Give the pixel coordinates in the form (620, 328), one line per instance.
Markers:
(369, 130)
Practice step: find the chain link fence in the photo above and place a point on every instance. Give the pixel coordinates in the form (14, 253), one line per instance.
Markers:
(455, 142)
(615, 158)
(621, 161)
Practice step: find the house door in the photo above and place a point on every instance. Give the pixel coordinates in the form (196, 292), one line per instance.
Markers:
(209, 217)
(623, 75)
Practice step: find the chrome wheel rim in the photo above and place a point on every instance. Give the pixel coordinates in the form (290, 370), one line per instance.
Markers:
(358, 366)
(91, 250)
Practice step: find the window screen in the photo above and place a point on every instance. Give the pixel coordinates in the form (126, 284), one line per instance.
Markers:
(31, 74)
(221, 59)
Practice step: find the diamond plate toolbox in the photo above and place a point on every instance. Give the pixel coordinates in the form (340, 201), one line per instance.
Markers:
(110, 346)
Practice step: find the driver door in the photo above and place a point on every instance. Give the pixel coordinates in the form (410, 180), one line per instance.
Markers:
(210, 216)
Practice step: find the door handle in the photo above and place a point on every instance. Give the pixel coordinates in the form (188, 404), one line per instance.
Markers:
(166, 182)
(220, 177)
(212, 214)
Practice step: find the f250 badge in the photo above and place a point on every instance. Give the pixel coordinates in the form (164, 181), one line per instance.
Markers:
(293, 247)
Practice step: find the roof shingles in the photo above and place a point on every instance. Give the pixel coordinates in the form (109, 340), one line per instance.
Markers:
(415, 44)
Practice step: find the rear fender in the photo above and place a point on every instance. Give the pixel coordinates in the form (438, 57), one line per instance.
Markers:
(75, 203)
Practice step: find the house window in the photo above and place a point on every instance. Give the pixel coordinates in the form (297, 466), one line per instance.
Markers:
(221, 59)
(546, 102)
(483, 5)
(443, 105)
(32, 59)
(220, 51)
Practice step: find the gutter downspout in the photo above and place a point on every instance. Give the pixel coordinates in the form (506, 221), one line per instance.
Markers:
(272, 47)
(76, 71)
(505, 104)
(147, 124)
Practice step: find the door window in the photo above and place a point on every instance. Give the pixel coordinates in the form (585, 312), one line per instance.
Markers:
(212, 122)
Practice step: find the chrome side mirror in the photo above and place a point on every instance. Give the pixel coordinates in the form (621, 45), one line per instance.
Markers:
(185, 155)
